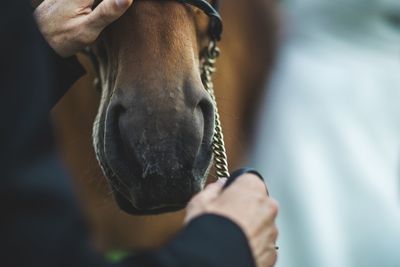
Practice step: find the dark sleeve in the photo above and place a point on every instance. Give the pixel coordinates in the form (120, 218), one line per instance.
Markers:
(33, 78)
(65, 71)
(208, 241)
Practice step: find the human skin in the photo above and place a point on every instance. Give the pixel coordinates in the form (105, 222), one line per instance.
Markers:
(247, 203)
(71, 25)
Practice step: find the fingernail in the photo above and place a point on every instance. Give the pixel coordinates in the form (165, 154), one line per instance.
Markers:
(122, 3)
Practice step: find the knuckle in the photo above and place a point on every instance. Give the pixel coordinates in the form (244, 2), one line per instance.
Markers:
(90, 38)
(258, 202)
(114, 6)
(259, 197)
(256, 198)
(257, 184)
(274, 233)
(106, 19)
(249, 182)
(273, 207)
(79, 34)
(87, 35)
(110, 11)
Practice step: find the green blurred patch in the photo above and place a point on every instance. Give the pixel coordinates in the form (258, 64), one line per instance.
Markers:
(117, 255)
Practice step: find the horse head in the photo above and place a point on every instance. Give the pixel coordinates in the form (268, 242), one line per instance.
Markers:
(154, 128)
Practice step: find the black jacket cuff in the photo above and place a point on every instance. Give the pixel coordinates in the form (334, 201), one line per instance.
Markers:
(208, 241)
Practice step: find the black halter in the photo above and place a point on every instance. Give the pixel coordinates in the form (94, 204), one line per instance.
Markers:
(211, 10)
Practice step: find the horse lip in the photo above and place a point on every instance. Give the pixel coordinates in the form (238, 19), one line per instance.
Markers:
(129, 207)
(139, 197)
(153, 210)
(127, 197)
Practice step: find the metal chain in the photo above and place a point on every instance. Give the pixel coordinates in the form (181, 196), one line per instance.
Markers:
(209, 57)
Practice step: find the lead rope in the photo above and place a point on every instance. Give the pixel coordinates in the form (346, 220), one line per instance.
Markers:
(209, 57)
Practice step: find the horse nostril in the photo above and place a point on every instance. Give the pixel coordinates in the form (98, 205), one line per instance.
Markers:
(114, 143)
(114, 113)
(207, 109)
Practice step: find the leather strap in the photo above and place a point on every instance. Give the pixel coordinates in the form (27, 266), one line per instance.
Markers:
(211, 10)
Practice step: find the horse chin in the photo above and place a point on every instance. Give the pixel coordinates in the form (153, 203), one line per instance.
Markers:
(127, 206)
(152, 197)
(139, 194)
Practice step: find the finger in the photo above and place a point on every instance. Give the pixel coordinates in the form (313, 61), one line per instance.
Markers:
(273, 207)
(199, 202)
(208, 194)
(251, 182)
(269, 258)
(273, 235)
(265, 253)
(212, 191)
(107, 12)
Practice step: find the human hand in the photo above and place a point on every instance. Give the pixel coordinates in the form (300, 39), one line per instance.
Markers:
(246, 203)
(70, 25)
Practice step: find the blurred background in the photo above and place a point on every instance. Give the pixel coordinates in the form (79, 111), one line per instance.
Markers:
(329, 134)
(309, 94)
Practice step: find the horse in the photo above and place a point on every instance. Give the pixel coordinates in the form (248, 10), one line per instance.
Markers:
(154, 124)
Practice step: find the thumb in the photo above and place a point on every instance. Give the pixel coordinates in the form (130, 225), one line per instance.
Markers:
(107, 12)
(211, 192)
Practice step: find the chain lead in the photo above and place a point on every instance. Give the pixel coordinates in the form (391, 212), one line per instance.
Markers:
(209, 57)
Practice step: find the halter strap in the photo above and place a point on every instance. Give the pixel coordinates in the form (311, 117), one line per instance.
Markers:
(211, 10)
